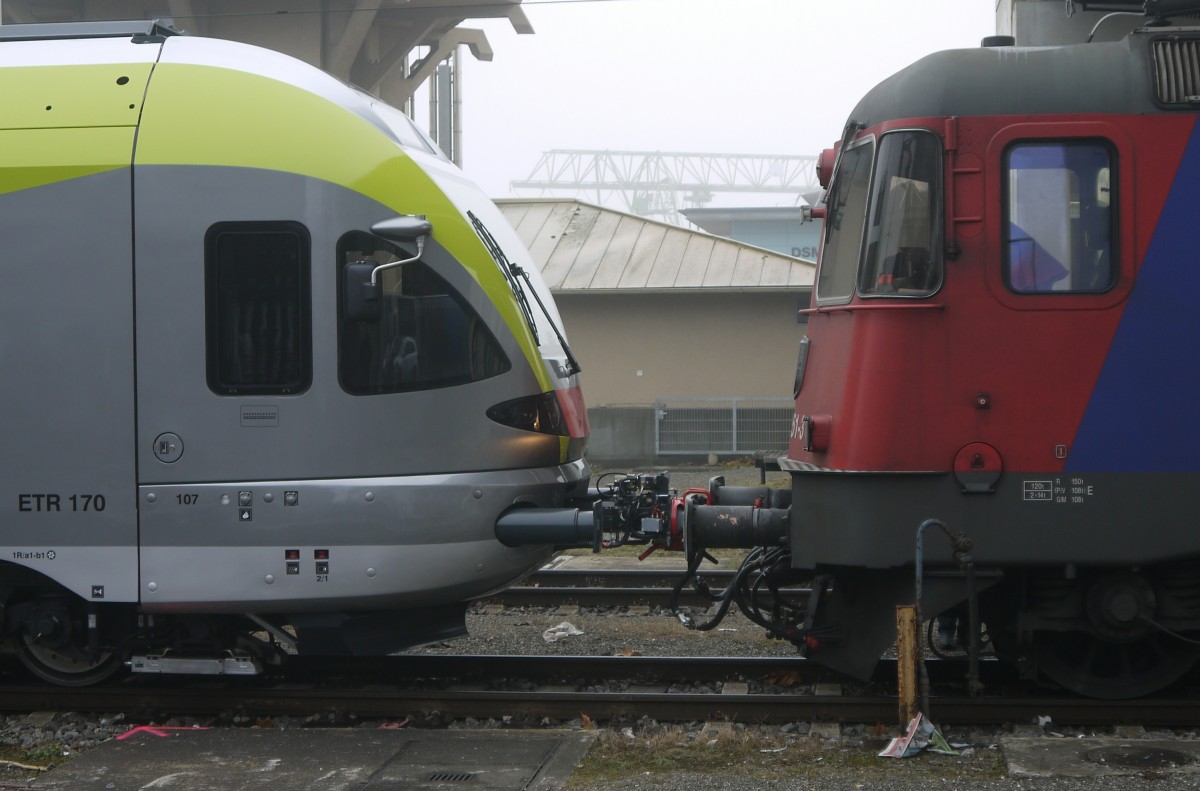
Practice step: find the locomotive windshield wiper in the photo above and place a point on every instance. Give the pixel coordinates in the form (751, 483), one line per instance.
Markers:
(514, 275)
(833, 199)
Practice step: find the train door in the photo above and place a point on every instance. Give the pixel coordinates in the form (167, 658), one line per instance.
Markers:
(1060, 267)
(224, 379)
(66, 345)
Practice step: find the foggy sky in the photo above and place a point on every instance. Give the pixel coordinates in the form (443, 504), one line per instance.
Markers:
(721, 76)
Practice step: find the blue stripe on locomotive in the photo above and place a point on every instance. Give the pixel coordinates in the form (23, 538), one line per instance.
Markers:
(1142, 416)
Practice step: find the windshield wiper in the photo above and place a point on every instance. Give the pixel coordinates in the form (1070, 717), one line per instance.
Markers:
(514, 275)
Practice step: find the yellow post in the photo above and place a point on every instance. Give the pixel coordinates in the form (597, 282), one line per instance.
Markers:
(907, 657)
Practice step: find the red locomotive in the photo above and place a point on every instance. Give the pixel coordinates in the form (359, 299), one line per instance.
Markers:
(1001, 342)
(1002, 338)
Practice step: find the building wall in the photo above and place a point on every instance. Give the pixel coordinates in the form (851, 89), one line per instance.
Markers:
(790, 237)
(1036, 23)
(298, 32)
(770, 228)
(299, 37)
(362, 43)
(640, 347)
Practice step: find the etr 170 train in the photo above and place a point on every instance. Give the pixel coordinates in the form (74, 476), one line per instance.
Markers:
(269, 373)
(1002, 341)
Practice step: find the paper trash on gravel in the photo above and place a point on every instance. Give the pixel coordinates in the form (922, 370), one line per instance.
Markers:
(920, 735)
(556, 633)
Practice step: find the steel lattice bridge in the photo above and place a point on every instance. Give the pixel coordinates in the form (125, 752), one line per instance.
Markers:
(662, 182)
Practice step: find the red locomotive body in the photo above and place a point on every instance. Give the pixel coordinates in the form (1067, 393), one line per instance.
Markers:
(1002, 338)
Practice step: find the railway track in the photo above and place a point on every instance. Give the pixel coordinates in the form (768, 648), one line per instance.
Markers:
(612, 588)
(525, 690)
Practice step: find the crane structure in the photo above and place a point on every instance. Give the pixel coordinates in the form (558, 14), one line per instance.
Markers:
(660, 183)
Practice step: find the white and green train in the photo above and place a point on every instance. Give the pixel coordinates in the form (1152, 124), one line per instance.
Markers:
(268, 375)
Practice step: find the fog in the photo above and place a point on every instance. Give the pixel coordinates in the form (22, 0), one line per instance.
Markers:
(697, 76)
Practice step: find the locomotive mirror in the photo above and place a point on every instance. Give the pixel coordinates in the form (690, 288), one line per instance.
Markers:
(405, 228)
(362, 286)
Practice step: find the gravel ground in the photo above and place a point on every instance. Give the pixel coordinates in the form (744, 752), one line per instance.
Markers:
(693, 756)
(902, 778)
(606, 632)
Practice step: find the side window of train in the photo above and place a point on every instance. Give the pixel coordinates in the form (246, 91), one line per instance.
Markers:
(1059, 218)
(846, 211)
(903, 255)
(425, 335)
(258, 308)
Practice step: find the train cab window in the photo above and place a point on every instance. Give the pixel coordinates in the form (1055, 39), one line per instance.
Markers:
(845, 216)
(257, 304)
(1059, 221)
(902, 253)
(426, 335)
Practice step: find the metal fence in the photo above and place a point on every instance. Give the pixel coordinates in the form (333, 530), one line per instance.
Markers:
(721, 425)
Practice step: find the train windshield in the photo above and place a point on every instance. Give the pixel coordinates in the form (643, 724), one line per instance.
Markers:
(845, 216)
(427, 336)
(902, 251)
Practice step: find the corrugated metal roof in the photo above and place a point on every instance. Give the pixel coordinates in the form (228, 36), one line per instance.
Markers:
(582, 247)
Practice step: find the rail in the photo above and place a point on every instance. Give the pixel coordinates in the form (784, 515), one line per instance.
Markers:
(381, 688)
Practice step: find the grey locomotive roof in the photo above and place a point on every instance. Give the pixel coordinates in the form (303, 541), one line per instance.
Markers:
(580, 247)
(1100, 77)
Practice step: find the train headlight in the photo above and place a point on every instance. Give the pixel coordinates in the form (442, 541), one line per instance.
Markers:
(558, 413)
(540, 413)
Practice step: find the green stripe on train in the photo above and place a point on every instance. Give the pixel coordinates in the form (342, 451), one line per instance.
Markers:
(34, 157)
(62, 97)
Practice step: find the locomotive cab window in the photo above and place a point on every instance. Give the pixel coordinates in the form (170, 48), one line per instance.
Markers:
(423, 335)
(846, 214)
(1059, 218)
(902, 255)
(257, 304)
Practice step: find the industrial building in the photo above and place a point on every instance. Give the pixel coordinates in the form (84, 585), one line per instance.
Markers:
(688, 341)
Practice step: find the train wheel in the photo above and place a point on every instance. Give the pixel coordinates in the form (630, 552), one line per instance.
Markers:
(68, 668)
(1098, 668)
(54, 646)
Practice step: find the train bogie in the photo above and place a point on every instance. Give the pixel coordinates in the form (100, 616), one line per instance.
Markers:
(201, 417)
